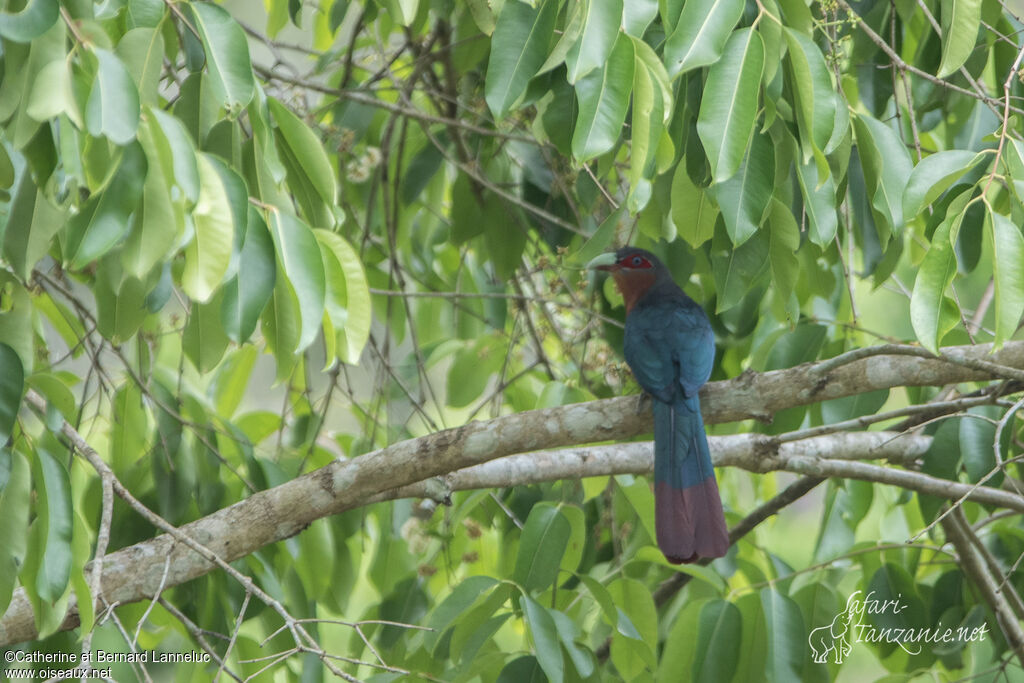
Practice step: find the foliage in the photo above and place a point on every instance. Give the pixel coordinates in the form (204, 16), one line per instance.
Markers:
(238, 245)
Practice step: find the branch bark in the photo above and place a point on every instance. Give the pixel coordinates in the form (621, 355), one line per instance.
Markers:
(137, 572)
(959, 533)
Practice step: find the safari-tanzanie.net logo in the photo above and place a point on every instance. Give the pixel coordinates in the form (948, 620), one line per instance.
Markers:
(852, 625)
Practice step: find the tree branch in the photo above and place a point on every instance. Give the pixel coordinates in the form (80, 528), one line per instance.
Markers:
(748, 451)
(958, 531)
(135, 573)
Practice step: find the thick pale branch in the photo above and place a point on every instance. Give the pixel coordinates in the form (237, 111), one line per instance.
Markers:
(759, 396)
(832, 456)
(748, 451)
(959, 533)
(135, 573)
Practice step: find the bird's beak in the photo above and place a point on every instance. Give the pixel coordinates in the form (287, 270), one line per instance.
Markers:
(605, 261)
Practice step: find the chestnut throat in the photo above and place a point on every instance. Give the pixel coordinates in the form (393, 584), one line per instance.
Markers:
(634, 285)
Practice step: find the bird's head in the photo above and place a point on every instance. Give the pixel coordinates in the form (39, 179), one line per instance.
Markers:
(635, 271)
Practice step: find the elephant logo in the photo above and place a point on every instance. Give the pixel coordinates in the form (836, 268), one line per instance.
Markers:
(834, 639)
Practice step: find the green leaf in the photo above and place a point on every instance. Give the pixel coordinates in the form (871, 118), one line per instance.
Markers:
(17, 328)
(52, 94)
(932, 176)
(247, 294)
(15, 506)
(483, 17)
(303, 267)
(545, 639)
(639, 495)
(893, 583)
(12, 384)
(305, 145)
(928, 313)
(227, 55)
(467, 213)
(746, 196)
(604, 99)
(142, 51)
(754, 641)
(348, 295)
(700, 34)
(518, 49)
(648, 117)
(463, 596)
(204, 340)
(568, 632)
(477, 621)
(887, 167)
(541, 547)
(961, 20)
(186, 169)
(976, 439)
(1008, 267)
(232, 378)
(474, 365)
(783, 243)
(601, 19)
(31, 229)
(680, 651)
(238, 201)
(718, 641)
(606, 602)
(708, 575)
(737, 270)
(815, 101)
(6, 169)
(522, 670)
(728, 108)
(800, 345)
(943, 457)
(601, 239)
(787, 636)
(54, 510)
(577, 537)
(130, 432)
(849, 407)
(504, 235)
(694, 212)
(402, 11)
(571, 32)
(159, 224)
(1013, 165)
(120, 304)
(112, 109)
(66, 324)
(423, 168)
(637, 15)
(407, 603)
(819, 204)
(315, 567)
(208, 255)
(105, 218)
(646, 55)
(630, 654)
(31, 22)
(55, 390)
(147, 13)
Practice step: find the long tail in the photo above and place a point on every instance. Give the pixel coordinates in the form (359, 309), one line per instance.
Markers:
(688, 512)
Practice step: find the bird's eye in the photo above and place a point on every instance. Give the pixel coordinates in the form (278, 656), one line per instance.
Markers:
(637, 261)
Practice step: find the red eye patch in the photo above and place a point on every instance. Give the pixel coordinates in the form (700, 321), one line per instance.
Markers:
(634, 261)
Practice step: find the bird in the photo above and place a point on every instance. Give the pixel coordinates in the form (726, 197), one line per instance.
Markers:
(670, 348)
